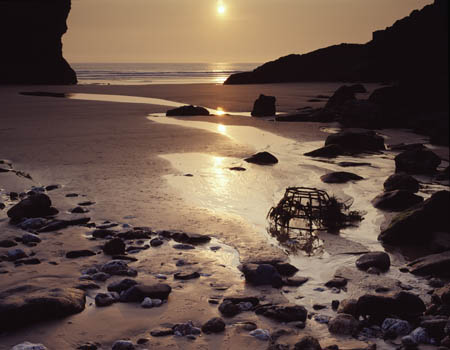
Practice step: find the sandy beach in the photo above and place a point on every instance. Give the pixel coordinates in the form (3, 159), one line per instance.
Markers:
(133, 168)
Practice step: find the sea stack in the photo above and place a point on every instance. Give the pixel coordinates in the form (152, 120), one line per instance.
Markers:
(30, 38)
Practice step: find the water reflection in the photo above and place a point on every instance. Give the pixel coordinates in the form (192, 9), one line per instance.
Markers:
(222, 129)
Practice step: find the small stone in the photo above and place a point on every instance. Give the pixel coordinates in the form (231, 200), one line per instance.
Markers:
(184, 329)
(147, 303)
(420, 336)
(88, 346)
(30, 238)
(114, 247)
(322, 319)
(229, 309)
(186, 276)
(157, 302)
(74, 254)
(104, 299)
(100, 276)
(262, 158)
(15, 254)
(308, 343)
(71, 195)
(156, 242)
(319, 307)
(261, 334)
(28, 346)
(86, 204)
(337, 282)
(408, 342)
(123, 345)
(399, 327)
(214, 325)
(162, 332)
(379, 260)
(183, 246)
(79, 210)
(7, 243)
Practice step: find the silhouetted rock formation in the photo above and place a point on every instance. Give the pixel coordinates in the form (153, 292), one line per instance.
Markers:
(413, 52)
(30, 41)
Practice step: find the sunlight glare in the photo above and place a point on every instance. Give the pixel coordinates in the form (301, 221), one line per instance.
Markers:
(221, 9)
(222, 129)
(220, 111)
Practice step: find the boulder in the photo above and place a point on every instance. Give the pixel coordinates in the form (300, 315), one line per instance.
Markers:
(357, 141)
(330, 151)
(262, 158)
(34, 206)
(340, 177)
(104, 299)
(229, 309)
(308, 343)
(263, 274)
(396, 326)
(435, 264)
(343, 324)
(137, 293)
(380, 260)
(397, 200)
(264, 106)
(402, 182)
(416, 225)
(123, 345)
(122, 285)
(29, 304)
(214, 325)
(340, 97)
(283, 313)
(186, 111)
(348, 306)
(114, 246)
(417, 161)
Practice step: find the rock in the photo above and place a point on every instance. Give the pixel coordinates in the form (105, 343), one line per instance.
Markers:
(7, 243)
(104, 299)
(100, 276)
(295, 281)
(440, 242)
(340, 177)
(330, 151)
(416, 225)
(89, 346)
(420, 336)
(137, 293)
(186, 275)
(103, 233)
(435, 264)
(79, 210)
(123, 345)
(435, 327)
(263, 274)
(396, 326)
(285, 269)
(408, 342)
(353, 164)
(87, 286)
(28, 346)
(214, 325)
(119, 268)
(32, 261)
(262, 158)
(343, 324)
(284, 313)
(443, 296)
(122, 285)
(417, 161)
(261, 334)
(229, 309)
(161, 332)
(335, 305)
(183, 246)
(54, 226)
(28, 238)
(86, 203)
(264, 106)
(30, 27)
(147, 303)
(308, 343)
(114, 247)
(340, 97)
(186, 111)
(32, 224)
(34, 206)
(402, 182)
(379, 260)
(185, 329)
(28, 304)
(337, 282)
(15, 254)
(156, 242)
(190, 238)
(79, 254)
(397, 200)
(357, 141)
(134, 234)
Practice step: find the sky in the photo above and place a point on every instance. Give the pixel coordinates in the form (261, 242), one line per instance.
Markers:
(243, 31)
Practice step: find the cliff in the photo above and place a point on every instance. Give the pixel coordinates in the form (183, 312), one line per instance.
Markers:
(413, 49)
(30, 41)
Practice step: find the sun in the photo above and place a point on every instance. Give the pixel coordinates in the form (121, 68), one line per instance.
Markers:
(221, 9)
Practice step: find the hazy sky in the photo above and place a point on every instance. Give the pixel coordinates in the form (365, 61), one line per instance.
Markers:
(195, 31)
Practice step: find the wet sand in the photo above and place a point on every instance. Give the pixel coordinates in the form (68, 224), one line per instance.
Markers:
(132, 167)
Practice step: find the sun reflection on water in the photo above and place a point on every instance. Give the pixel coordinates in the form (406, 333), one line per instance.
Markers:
(222, 129)
(220, 111)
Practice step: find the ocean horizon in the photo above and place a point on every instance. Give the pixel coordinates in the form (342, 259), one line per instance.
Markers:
(157, 73)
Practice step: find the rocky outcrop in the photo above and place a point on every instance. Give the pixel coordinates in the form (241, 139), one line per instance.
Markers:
(30, 38)
(264, 106)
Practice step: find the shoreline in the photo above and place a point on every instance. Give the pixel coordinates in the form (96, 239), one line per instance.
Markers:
(62, 138)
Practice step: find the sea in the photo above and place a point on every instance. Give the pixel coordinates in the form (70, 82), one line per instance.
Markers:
(157, 73)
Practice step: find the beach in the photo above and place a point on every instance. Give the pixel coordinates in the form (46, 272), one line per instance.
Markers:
(133, 167)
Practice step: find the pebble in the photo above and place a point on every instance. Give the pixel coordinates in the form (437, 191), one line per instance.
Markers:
(15, 254)
(322, 319)
(156, 242)
(261, 334)
(399, 327)
(161, 276)
(161, 332)
(100, 276)
(157, 302)
(183, 246)
(30, 238)
(29, 346)
(32, 223)
(184, 329)
(123, 345)
(104, 299)
(147, 303)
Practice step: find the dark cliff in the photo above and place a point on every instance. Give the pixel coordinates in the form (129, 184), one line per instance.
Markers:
(413, 49)
(30, 41)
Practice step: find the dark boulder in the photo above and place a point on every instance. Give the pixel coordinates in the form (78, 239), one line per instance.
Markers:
(283, 313)
(419, 161)
(330, 151)
(343, 324)
(357, 141)
(190, 238)
(123, 285)
(74, 254)
(308, 343)
(340, 97)
(104, 299)
(435, 264)
(380, 260)
(30, 304)
(214, 325)
(229, 309)
(397, 200)
(263, 274)
(417, 224)
(340, 177)
(264, 106)
(30, 37)
(262, 158)
(187, 111)
(402, 182)
(114, 247)
(137, 293)
(34, 206)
